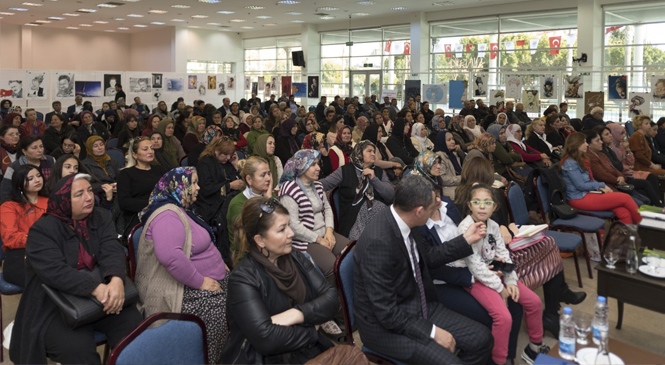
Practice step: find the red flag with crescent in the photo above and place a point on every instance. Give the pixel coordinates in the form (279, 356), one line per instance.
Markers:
(407, 47)
(469, 47)
(448, 49)
(4, 93)
(494, 48)
(519, 43)
(386, 48)
(555, 43)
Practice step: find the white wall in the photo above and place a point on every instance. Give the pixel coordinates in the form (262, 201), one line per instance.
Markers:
(10, 38)
(152, 50)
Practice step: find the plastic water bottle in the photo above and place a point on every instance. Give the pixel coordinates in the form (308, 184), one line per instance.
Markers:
(567, 335)
(600, 319)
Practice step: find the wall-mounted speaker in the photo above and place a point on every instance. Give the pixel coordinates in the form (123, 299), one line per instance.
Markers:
(298, 58)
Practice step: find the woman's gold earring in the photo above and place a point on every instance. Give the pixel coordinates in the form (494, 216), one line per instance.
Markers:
(267, 254)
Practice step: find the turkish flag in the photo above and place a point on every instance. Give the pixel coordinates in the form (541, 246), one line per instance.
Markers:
(386, 48)
(519, 43)
(4, 93)
(555, 43)
(494, 48)
(448, 49)
(469, 47)
(609, 30)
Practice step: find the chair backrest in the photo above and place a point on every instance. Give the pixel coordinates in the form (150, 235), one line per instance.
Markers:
(517, 205)
(117, 156)
(543, 199)
(132, 248)
(181, 340)
(112, 143)
(630, 129)
(343, 271)
(184, 161)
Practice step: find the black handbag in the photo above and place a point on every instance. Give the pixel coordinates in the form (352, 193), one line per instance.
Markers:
(559, 206)
(78, 311)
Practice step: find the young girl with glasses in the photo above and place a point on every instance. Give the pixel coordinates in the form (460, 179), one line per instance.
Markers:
(493, 289)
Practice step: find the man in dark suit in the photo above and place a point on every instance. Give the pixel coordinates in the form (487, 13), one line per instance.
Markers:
(57, 109)
(74, 109)
(396, 306)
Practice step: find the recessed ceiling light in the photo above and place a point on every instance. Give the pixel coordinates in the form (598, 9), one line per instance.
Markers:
(209, 1)
(56, 18)
(100, 22)
(18, 9)
(72, 27)
(269, 24)
(215, 24)
(32, 4)
(193, 26)
(327, 8)
(123, 28)
(399, 8)
(199, 16)
(131, 1)
(140, 25)
(107, 5)
(157, 23)
(263, 17)
(237, 20)
(135, 15)
(247, 27)
(87, 10)
(255, 7)
(443, 3)
(293, 13)
(177, 20)
(366, 2)
(110, 30)
(71, 14)
(327, 17)
(119, 19)
(181, 6)
(155, 11)
(42, 21)
(6, 13)
(288, 2)
(85, 25)
(297, 21)
(32, 24)
(226, 12)
(360, 14)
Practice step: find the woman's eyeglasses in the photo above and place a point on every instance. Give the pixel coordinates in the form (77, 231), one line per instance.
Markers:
(267, 207)
(479, 203)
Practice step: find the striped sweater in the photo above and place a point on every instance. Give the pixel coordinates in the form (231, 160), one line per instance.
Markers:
(306, 212)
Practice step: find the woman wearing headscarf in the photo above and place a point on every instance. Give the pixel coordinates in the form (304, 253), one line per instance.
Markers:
(265, 148)
(180, 268)
(311, 216)
(428, 164)
(529, 154)
(460, 135)
(66, 247)
(12, 119)
(101, 166)
(171, 146)
(399, 142)
(472, 129)
(253, 135)
(504, 155)
(363, 188)
(286, 143)
(419, 138)
(195, 131)
(339, 153)
(451, 162)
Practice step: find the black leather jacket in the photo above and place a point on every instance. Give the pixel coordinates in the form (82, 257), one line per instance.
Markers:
(253, 297)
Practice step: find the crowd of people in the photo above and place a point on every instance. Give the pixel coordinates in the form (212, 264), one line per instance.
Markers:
(246, 208)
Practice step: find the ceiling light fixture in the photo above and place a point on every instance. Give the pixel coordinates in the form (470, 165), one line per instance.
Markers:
(100, 22)
(210, 1)
(247, 27)
(326, 8)
(288, 2)
(269, 24)
(215, 24)
(327, 17)
(297, 21)
(42, 21)
(18, 9)
(32, 24)
(108, 5)
(181, 6)
(157, 23)
(85, 25)
(226, 12)
(199, 16)
(177, 20)
(119, 19)
(293, 13)
(110, 30)
(140, 25)
(366, 2)
(399, 8)
(55, 18)
(155, 11)
(123, 28)
(444, 3)
(360, 14)
(71, 14)
(72, 27)
(32, 4)
(237, 20)
(255, 7)
(87, 10)
(263, 17)
(135, 15)
(6, 13)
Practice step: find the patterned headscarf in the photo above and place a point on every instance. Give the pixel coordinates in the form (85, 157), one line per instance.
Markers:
(175, 187)
(60, 207)
(364, 188)
(298, 164)
(99, 160)
(423, 165)
(483, 143)
(307, 142)
(209, 134)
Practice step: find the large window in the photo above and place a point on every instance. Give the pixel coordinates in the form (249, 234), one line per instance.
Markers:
(529, 46)
(271, 58)
(209, 67)
(384, 51)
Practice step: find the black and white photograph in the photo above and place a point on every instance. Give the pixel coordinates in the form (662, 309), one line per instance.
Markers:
(480, 85)
(36, 82)
(139, 84)
(157, 81)
(110, 80)
(312, 86)
(230, 82)
(65, 85)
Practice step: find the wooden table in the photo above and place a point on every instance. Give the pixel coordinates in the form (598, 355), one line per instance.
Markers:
(652, 237)
(628, 353)
(636, 289)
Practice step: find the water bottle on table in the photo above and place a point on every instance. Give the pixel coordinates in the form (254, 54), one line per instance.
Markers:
(567, 334)
(600, 319)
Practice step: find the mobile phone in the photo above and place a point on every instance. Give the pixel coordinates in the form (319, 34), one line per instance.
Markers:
(502, 266)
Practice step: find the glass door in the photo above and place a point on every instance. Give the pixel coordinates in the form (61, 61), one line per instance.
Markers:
(366, 83)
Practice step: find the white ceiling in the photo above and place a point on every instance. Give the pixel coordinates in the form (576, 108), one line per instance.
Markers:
(205, 13)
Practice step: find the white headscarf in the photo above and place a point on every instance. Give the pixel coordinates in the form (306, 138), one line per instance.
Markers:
(476, 131)
(506, 121)
(510, 135)
(417, 128)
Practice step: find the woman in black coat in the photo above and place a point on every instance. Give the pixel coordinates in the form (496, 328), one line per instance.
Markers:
(63, 247)
(399, 142)
(276, 297)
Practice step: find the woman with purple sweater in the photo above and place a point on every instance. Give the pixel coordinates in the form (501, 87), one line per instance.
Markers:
(179, 269)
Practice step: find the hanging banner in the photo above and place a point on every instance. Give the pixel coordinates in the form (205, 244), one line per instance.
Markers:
(555, 43)
(494, 47)
(481, 50)
(448, 49)
(458, 50)
(510, 46)
(533, 44)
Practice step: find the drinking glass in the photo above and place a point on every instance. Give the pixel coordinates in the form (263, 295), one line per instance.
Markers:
(611, 257)
(653, 261)
(582, 326)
